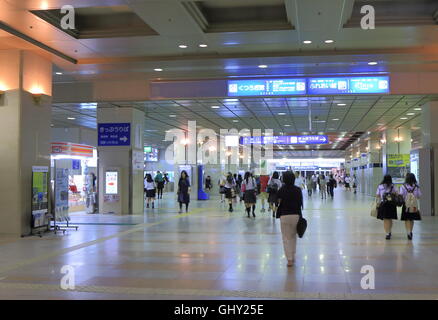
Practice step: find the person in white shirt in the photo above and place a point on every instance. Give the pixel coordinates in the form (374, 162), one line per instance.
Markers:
(230, 185)
(347, 182)
(221, 184)
(274, 185)
(149, 189)
(323, 186)
(314, 182)
(249, 188)
(299, 182)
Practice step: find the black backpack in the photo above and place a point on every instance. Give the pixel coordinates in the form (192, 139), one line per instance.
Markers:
(272, 188)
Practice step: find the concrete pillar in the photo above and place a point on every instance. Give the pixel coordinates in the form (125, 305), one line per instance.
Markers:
(374, 170)
(25, 116)
(125, 160)
(428, 159)
(396, 153)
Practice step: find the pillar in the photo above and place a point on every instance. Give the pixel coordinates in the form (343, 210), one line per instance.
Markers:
(126, 160)
(428, 159)
(25, 116)
(374, 170)
(396, 153)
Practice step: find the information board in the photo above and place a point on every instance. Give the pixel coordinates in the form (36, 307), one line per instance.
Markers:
(40, 195)
(111, 182)
(281, 140)
(114, 134)
(266, 87)
(309, 86)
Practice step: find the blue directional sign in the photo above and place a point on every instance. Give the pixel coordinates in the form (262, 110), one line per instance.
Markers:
(114, 134)
(280, 140)
(348, 85)
(267, 87)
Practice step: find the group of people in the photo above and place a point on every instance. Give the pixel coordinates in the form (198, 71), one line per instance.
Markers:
(154, 187)
(388, 198)
(326, 185)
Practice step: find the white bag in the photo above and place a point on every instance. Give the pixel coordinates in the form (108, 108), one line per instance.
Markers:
(374, 208)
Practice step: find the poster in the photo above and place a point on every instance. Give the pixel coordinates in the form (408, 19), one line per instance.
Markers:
(111, 182)
(40, 196)
(137, 160)
(61, 194)
(398, 165)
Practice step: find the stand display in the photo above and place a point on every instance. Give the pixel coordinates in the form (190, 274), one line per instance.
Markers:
(61, 201)
(40, 200)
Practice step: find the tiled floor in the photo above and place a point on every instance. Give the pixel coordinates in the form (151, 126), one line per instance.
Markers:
(211, 254)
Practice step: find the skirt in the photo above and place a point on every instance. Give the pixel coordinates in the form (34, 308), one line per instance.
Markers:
(387, 210)
(150, 193)
(249, 196)
(160, 185)
(273, 198)
(229, 194)
(183, 197)
(409, 216)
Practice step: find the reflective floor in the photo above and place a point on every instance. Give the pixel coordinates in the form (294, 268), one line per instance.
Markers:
(212, 254)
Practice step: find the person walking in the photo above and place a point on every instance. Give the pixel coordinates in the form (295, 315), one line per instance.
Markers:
(314, 182)
(159, 180)
(273, 187)
(411, 193)
(264, 180)
(387, 210)
(309, 185)
(354, 182)
(208, 184)
(323, 186)
(149, 188)
(290, 199)
(299, 182)
(230, 194)
(347, 182)
(239, 187)
(183, 191)
(331, 185)
(221, 184)
(249, 187)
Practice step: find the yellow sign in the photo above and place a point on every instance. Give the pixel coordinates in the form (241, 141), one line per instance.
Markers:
(398, 160)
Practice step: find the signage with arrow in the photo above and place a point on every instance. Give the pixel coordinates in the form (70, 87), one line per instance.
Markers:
(114, 134)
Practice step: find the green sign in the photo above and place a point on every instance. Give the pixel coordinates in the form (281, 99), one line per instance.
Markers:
(147, 149)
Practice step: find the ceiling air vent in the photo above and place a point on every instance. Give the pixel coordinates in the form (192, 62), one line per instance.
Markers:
(397, 13)
(239, 15)
(100, 22)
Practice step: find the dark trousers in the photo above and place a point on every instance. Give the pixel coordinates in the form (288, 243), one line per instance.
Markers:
(331, 191)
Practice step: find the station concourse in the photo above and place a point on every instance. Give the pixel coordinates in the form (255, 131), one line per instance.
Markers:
(96, 96)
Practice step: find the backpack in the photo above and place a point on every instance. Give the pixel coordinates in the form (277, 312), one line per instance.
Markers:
(389, 197)
(230, 179)
(272, 187)
(411, 201)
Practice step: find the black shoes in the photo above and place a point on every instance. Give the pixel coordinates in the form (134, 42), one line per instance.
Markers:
(253, 214)
(230, 209)
(388, 236)
(410, 236)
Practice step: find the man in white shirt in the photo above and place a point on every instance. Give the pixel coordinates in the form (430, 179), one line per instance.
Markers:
(299, 182)
(347, 182)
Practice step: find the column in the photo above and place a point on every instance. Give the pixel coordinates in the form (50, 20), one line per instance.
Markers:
(428, 159)
(396, 153)
(374, 170)
(25, 116)
(123, 158)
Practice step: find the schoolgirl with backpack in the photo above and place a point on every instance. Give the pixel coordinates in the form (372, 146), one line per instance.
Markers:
(410, 212)
(387, 201)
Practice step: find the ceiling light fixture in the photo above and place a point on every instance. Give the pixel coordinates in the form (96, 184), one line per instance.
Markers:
(329, 41)
(172, 115)
(417, 109)
(342, 104)
(336, 119)
(215, 107)
(281, 114)
(158, 69)
(263, 66)
(372, 63)
(410, 114)
(403, 118)
(235, 120)
(58, 73)
(182, 46)
(307, 42)
(203, 45)
(71, 118)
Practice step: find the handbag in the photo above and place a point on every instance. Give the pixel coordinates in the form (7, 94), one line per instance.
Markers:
(222, 190)
(301, 226)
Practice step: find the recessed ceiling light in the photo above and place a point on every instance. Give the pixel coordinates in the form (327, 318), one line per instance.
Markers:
(342, 104)
(410, 114)
(372, 63)
(403, 118)
(58, 73)
(203, 45)
(417, 109)
(287, 125)
(71, 118)
(158, 69)
(281, 113)
(172, 115)
(235, 120)
(215, 107)
(182, 46)
(329, 41)
(307, 42)
(263, 66)
(336, 119)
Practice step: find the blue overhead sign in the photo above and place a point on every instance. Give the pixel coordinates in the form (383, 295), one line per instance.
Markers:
(268, 87)
(279, 140)
(114, 134)
(348, 85)
(309, 86)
